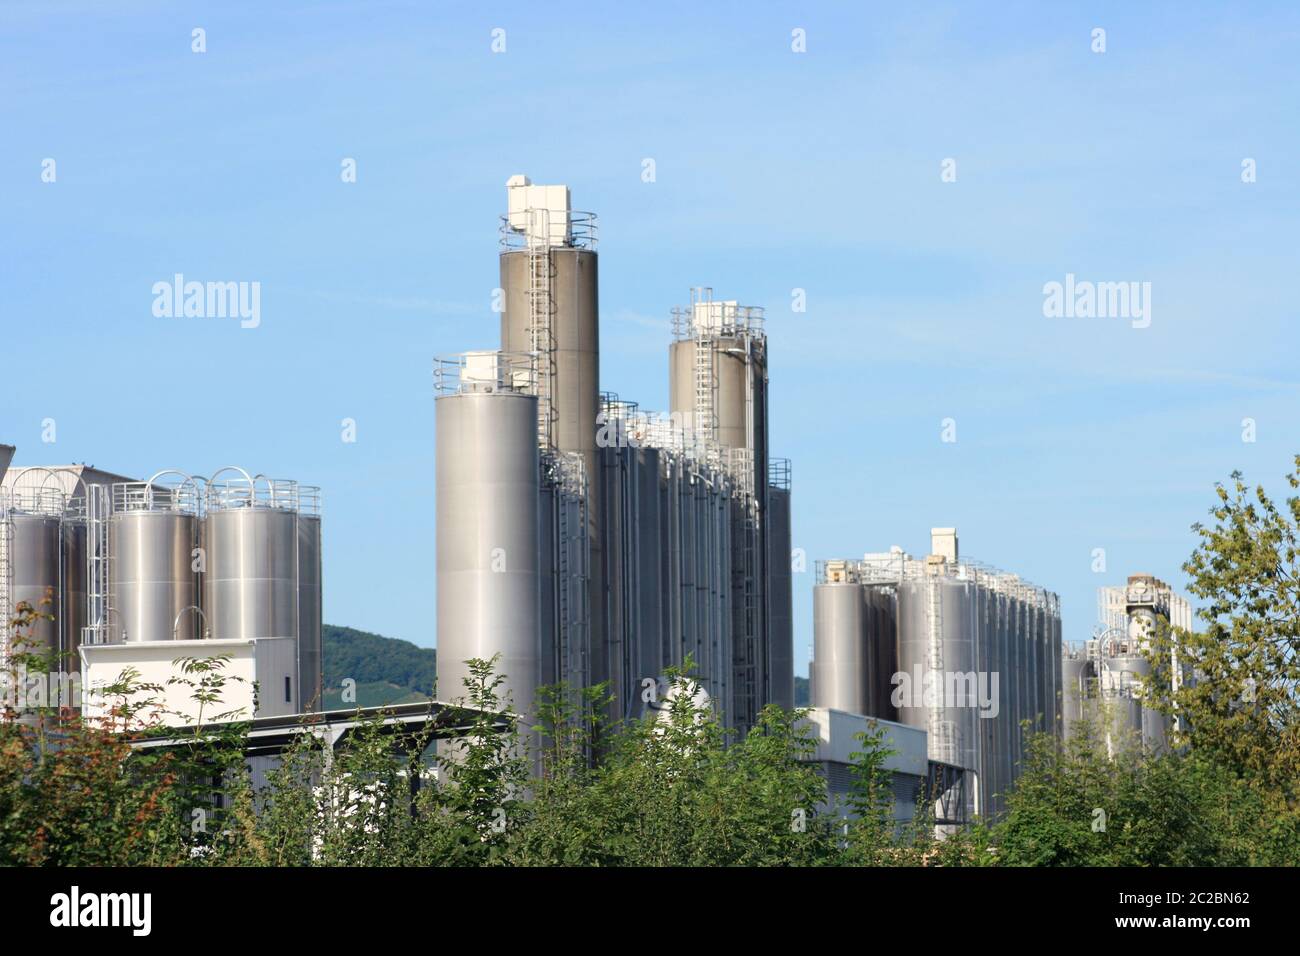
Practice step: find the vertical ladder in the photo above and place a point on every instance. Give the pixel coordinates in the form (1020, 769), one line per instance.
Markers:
(97, 560)
(6, 577)
(942, 744)
(706, 426)
(749, 607)
(540, 316)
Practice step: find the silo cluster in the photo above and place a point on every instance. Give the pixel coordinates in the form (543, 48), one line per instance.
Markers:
(585, 541)
(174, 558)
(969, 654)
(1108, 678)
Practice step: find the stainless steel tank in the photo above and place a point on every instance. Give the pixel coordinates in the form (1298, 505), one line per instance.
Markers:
(780, 599)
(1075, 671)
(74, 599)
(549, 517)
(153, 532)
(936, 637)
(649, 549)
(574, 289)
(488, 574)
(573, 286)
(35, 567)
(840, 670)
(880, 633)
(310, 645)
(251, 583)
(739, 393)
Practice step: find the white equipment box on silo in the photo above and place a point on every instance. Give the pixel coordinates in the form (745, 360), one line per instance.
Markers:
(541, 213)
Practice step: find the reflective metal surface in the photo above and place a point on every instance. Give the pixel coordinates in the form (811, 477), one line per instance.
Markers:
(251, 584)
(488, 574)
(839, 672)
(153, 580)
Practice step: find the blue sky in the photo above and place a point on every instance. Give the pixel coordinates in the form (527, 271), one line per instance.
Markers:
(774, 171)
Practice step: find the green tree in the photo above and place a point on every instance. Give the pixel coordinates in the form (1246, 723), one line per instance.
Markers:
(1241, 707)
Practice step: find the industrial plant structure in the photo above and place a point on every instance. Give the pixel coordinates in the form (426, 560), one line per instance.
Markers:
(1105, 680)
(969, 654)
(140, 574)
(581, 540)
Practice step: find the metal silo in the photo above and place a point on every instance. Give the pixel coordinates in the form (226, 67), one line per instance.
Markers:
(74, 590)
(780, 598)
(32, 549)
(251, 539)
(839, 667)
(722, 393)
(548, 534)
(310, 647)
(1075, 671)
(153, 532)
(1033, 673)
(649, 551)
(550, 285)
(487, 500)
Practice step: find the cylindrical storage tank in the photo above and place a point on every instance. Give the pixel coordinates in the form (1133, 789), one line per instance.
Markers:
(74, 592)
(1126, 674)
(880, 634)
(310, 646)
(573, 281)
(153, 585)
(575, 329)
(650, 623)
(1007, 758)
(944, 645)
(1155, 728)
(839, 666)
(780, 598)
(35, 564)
(549, 518)
(1033, 669)
(1074, 690)
(250, 586)
(739, 393)
(489, 579)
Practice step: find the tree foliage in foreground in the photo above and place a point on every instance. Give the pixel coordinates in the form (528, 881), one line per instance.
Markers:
(1242, 707)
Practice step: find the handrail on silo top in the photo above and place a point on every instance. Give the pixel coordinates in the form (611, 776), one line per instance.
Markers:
(140, 495)
(581, 232)
(485, 371)
(224, 490)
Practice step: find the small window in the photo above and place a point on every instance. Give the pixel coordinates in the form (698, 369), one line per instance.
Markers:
(288, 691)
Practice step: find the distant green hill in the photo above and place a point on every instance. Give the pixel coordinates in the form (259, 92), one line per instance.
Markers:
(800, 691)
(387, 670)
(392, 671)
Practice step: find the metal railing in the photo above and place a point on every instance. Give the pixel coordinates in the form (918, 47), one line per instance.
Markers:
(898, 566)
(485, 372)
(778, 473)
(185, 496)
(581, 231)
(720, 319)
